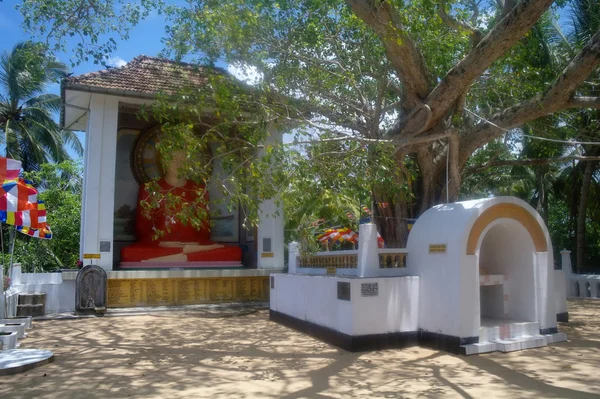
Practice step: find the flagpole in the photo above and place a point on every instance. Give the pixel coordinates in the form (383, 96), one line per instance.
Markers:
(11, 249)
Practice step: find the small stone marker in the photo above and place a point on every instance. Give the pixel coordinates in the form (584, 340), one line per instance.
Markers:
(90, 290)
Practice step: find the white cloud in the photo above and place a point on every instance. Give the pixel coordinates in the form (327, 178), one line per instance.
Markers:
(117, 62)
(245, 73)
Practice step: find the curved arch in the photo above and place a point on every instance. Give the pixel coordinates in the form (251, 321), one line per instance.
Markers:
(510, 211)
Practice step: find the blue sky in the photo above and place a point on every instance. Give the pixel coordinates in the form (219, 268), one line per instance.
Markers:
(144, 39)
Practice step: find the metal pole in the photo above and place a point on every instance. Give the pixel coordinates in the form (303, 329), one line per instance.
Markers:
(447, 165)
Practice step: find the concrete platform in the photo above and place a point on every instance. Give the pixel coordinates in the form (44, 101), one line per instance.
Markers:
(15, 361)
(509, 336)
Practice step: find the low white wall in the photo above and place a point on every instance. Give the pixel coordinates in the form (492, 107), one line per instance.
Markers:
(60, 294)
(314, 299)
(560, 290)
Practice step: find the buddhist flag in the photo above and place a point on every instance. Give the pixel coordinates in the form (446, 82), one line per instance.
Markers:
(19, 205)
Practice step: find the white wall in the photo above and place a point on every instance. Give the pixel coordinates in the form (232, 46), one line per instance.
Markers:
(507, 248)
(271, 223)
(60, 294)
(314, 299)
(449, 287)
(99, 177)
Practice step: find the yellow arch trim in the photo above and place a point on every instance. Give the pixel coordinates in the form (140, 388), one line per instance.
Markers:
(510, 211)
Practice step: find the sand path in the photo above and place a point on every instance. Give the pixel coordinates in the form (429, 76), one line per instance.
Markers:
(202, 355)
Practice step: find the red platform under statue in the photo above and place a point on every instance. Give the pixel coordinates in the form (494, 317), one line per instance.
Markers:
(181, 245)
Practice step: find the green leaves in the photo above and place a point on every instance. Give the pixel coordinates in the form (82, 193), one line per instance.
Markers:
(28, 129)
(59, 186)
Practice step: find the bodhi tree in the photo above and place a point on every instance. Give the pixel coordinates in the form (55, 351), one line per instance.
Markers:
(424, 83)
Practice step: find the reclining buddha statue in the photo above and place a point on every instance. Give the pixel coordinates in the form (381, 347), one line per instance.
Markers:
(180, 242)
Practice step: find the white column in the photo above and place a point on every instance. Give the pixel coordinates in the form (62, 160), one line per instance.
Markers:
(368, 258)
(293, 252)
(565, 260)
(270, 228)
(99, 179)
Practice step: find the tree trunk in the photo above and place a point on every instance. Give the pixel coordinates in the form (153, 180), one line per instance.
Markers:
(390, 218)
(581, 214)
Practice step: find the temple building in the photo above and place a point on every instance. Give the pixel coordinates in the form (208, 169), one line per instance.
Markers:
(225, 262)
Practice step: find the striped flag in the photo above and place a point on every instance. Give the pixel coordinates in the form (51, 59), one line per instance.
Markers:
(19, 205)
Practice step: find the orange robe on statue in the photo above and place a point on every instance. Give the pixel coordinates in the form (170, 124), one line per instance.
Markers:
(146, 249)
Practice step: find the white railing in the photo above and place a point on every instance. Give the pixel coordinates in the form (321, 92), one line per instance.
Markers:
(367, 261)
(579, 285)
(322, 260)
(392, 258)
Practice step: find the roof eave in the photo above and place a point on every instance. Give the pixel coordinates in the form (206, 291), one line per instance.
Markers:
(106, 90)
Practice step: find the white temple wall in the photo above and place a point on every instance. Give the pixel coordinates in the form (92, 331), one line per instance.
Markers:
(99, 175)
(447, 280)
(60, 293)
(507, 248)
(314, 299)
(270, 245)
(449, 301)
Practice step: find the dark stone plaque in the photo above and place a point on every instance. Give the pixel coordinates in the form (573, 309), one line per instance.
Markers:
(90, 290)
(343, 290)
(104, 246)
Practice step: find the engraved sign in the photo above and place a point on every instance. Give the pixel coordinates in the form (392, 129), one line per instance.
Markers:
(369, 289)
(91, 256)
(331, 269)
(343, 290)
(177, 291)
(437, 248)
(90, 289)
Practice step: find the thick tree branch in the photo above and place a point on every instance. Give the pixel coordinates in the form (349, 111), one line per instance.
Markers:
(400, 48)
(497, 42)
(558, 96)
(584, 102)
(529, 162)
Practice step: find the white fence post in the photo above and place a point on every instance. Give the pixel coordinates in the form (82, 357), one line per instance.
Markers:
(293, 252)
(565, 260)
(368, 258)
(2, 313)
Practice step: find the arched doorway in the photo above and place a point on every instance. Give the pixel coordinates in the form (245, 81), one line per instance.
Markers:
(507, 273)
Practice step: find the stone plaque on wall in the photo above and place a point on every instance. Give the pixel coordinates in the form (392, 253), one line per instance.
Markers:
(369, 289)
(90, 290)
(343, 291)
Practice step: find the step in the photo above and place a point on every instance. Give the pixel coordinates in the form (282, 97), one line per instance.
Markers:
(25, 320)
(492, 330)
(32, 299)
(520, 343)
(31, 310)
(9, 340)
(18, 327)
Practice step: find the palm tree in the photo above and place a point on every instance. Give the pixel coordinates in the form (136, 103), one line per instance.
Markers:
(29, 132)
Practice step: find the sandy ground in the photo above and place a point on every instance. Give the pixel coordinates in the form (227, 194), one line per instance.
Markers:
(201, 354)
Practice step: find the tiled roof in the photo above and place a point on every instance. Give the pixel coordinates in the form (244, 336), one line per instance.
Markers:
(145, 76)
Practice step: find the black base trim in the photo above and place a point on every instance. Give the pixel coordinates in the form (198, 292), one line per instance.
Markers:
(348, 342)
(446, 343)
(551, 330)
(361, 343)
(562, 317)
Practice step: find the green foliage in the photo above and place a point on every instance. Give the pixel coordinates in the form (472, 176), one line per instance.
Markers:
(94, 24)
(60, 186)
(27, 127)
